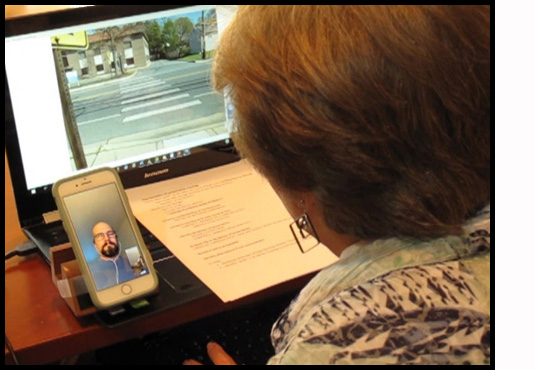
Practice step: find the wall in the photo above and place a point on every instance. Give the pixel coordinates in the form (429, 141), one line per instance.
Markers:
(14, 235)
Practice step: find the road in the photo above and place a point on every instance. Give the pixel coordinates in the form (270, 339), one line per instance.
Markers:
(166, 100)
(165, 104)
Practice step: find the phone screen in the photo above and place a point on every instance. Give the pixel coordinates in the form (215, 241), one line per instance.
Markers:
(108, 242)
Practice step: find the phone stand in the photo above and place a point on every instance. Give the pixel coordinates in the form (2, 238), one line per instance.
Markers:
(68, 279)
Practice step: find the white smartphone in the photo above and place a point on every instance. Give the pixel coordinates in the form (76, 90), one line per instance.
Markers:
(105, 237)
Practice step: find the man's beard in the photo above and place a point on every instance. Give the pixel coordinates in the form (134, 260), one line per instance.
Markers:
(110, 250)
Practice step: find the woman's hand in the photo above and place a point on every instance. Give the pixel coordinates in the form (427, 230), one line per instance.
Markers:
(217, 354)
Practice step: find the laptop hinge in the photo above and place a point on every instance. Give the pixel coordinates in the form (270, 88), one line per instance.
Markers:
(51, 216)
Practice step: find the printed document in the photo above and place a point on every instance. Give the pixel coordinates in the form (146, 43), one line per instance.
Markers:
(228, 227)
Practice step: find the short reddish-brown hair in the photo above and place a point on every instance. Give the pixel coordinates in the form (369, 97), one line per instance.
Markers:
(382, 111)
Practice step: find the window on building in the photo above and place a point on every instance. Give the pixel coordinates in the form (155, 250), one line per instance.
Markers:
(82, 60)
(64, 59)
(128, 53)
(97, 57)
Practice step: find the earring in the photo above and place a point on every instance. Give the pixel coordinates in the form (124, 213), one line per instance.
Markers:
(304, 233)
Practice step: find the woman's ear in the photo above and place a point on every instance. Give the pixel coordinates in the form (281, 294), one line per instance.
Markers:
(310, 202)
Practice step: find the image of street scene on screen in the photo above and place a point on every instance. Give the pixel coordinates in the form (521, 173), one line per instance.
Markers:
(139, 88)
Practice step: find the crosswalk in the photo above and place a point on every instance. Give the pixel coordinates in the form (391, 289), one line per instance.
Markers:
(156, 112)
(147, 104)
(140, 98)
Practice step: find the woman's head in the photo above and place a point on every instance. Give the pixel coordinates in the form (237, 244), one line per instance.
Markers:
(382, 112)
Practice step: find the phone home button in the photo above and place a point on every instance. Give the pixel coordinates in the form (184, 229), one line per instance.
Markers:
(126, 289)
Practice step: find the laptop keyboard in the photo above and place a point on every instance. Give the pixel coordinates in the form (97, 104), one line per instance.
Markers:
(54, 234)
(47, 236)
(243, 332)
(156, 248)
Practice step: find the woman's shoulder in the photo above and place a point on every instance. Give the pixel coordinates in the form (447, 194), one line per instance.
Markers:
(411, 303)
(438, 313)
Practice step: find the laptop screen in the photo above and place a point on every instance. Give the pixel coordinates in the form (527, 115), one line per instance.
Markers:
(124, 87)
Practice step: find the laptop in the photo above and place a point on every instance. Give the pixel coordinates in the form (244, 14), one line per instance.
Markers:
(126, 87)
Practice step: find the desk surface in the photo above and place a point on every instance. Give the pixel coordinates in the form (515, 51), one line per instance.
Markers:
(41, 328)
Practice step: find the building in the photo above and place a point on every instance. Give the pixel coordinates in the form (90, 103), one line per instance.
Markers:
(210, 35)
(113, 51)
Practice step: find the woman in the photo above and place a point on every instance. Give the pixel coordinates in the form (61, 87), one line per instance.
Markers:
(372, 123)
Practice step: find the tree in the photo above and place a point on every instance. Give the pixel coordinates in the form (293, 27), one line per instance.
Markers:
(170, 37)
(183, 27)
(175, 36)
(155, 38)
(113, 33)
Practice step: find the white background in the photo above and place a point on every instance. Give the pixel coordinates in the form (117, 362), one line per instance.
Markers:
(514, 243)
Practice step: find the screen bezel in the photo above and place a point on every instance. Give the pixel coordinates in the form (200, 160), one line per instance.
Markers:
(30, 206)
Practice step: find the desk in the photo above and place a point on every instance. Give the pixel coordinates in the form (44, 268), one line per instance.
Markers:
(41, 328)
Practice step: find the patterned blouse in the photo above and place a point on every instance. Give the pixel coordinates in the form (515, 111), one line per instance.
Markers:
(395, 302)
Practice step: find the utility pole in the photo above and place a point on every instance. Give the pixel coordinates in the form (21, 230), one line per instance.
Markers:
(203, 42)
(69, 118)
(71, 127)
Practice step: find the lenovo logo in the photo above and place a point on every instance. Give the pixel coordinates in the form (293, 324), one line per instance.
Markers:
(156, 173)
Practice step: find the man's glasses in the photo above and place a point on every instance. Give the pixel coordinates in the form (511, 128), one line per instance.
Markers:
(101, 236)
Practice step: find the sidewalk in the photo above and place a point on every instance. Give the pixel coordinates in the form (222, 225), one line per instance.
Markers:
(87, 83)
(150, 141)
